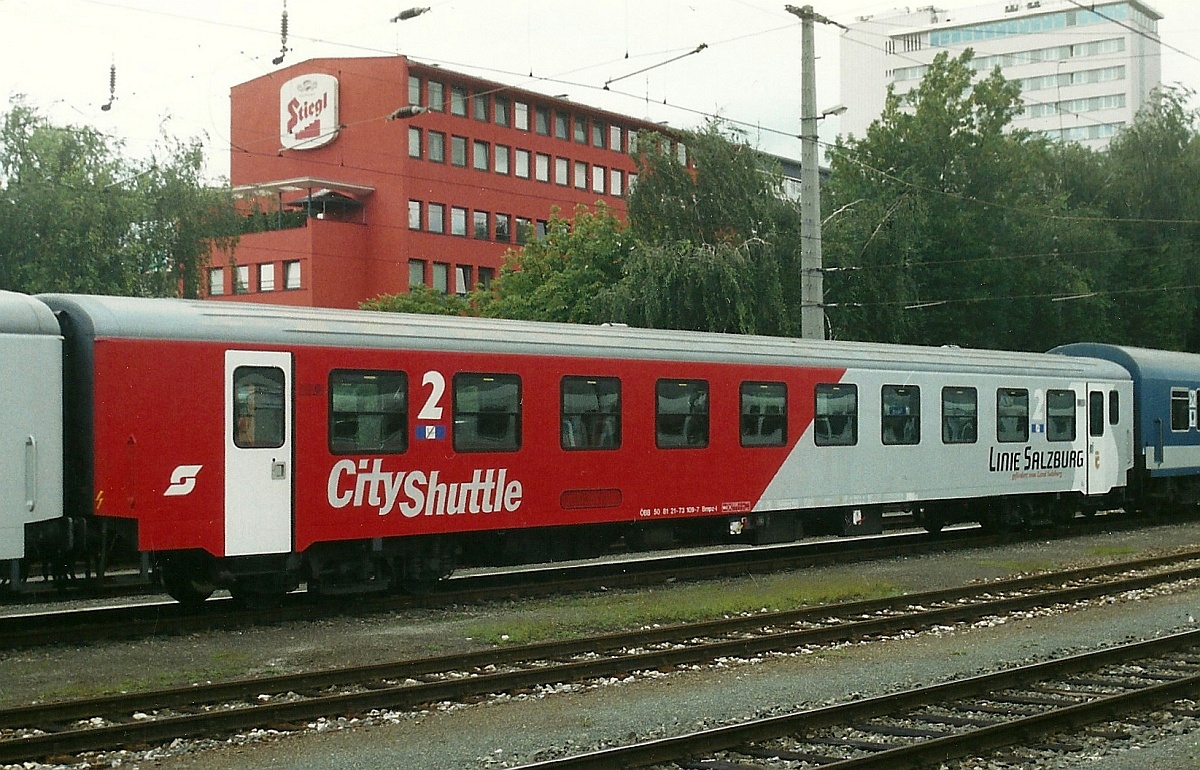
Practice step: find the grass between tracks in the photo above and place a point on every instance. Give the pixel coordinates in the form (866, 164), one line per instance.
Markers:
(576, 616)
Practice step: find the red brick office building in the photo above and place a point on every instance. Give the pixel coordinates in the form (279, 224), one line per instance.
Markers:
(359, 197)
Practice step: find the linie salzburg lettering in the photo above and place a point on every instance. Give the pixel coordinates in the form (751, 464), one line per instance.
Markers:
(1030, 460)
(416, 493)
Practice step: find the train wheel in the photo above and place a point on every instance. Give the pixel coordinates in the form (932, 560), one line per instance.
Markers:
(186, 580)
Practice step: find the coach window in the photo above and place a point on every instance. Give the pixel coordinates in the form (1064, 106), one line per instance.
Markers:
(764, 413)
(1060, 415)
(1180, 403)
(591, 413)
(900, 421)
(681, 414)
(835, 421)
(1096, 413)
(368, 412)
(1114, 407)
(258, 407)
(1012, 415)
(960, 415)
(487, 412)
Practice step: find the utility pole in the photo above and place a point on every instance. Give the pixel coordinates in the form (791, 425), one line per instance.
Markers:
(812, 289)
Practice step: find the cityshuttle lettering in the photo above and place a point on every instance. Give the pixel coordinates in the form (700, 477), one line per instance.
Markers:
(1000, 461)
(417, 493)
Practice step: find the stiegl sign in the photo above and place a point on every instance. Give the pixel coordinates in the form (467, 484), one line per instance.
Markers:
(308, 112)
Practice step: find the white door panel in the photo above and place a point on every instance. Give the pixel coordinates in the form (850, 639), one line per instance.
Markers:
(258, 452)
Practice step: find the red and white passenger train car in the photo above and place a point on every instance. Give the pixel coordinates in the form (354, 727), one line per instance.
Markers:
(258, 446)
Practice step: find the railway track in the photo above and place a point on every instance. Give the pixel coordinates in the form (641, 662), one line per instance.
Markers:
(291, 702)
(915, 728)
(145, 616)
(153, 616)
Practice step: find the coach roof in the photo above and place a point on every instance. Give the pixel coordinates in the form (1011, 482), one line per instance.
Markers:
(285, 326)
(22, 314)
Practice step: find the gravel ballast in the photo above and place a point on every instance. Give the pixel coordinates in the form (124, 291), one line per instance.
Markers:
(511, 729)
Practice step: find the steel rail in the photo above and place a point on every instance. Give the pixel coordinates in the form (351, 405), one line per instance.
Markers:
(383, 693)
(679, 748)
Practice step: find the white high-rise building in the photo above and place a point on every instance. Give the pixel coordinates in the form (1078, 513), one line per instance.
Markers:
(1084, 72)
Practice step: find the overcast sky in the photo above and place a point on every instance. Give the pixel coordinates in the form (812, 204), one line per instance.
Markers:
(176, 62)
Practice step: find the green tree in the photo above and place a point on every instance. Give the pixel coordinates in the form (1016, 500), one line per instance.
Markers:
(947, 225)
(76, 215)
(1151, 184)
(420, 299)
(559, 277)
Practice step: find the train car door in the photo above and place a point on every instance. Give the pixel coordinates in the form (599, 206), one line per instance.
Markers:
(1102, 458)
(258, 452)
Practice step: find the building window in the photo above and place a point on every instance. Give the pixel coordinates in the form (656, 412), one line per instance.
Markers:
(241, 279)
(590, 413)
(764, 413)
(216, 281)
(1012, 415)
(681, 414)
(598, 129)
(521, 116)
(541, 168)
(562, 171)
(541, 117)
(437, 147)
(458, 151)
(441, 277)
(368, 412)
(480, 225)
(437, 96)
(486, 276)
(580, 175)
(458, 221)
(480, 107)
(487, 412)
(524, 230)
(414, 142)
(414, 90)
(960, 415)
(614, 138)
(503, 109)
(479, 155)
(522, 164)
(598, 179)
(501, 159)
(504, 227)
(616, 181)
(562, 125)
(835, 419)
(291, 274)
(436, 218)
(900, 420)
(266, 277)
(458, 101)
(416, 273)
(580, 129)
(632, 135)
(462, 279)
(414, 215)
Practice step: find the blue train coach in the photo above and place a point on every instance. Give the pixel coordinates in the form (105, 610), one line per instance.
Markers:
(1167, 449)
